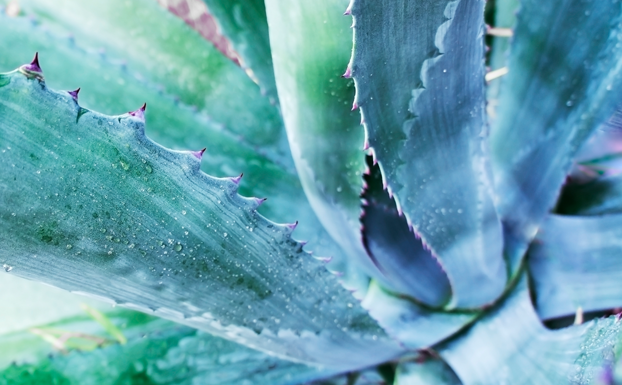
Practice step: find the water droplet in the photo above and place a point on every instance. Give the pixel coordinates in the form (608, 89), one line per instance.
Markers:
(124, 165)
(69, 247)
(7, 268)
(339, 189)
(149, 169)
(609, 87)
(183, 212)
(569, 103)
(178, 247)
(225, 234)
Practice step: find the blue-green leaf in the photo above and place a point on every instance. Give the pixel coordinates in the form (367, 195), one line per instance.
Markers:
(415, 326)
(577, 262)
(324, 135)
(430, 371)
(564, 80)
(111, 214)
(509, 345)
(419, 73)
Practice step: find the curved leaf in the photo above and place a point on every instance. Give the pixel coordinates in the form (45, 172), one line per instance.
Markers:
(112, 214)
(564, 80)
(425, 119)
(246, 25)
(324, 136)
(157, 352)
(430, 371)
(172, 56)
(411, 324)
(396, 250)
(510, 345)
(577, 262)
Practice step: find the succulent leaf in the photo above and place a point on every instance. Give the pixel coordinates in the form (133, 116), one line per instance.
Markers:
(157, 352)
(577, 262)
(172, 124)
(113, 215)
(406, 264)
(510, 345)
(564, 80)
(246, 25)
(172, 56)
(325, 137)
(414, 326)
(425, 120)
(430, 371)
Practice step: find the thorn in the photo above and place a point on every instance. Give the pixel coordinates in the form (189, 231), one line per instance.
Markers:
(260, 201)
(348, 73)
(236, 179)
(291, 226)
(362, 120)
(578, 317)
(74, 94)
(34, 65)
(139, 113)
(302, 243)
(324, 259)
(198, 154)
(366, 146)
(354, 106)
(348, 11)
(32, 70)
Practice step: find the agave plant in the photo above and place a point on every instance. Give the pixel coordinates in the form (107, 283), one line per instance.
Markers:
(450, 214)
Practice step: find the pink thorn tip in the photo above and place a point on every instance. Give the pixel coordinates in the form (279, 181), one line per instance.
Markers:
(33, 66)
(260, 201)
(74, 94)
(325, 259)
(348, 73)
(139, 113)
(366, 147)
(292, 226)
(198, 154)
(354, 106)
(302, 243)
(236, 179)
(348, 12)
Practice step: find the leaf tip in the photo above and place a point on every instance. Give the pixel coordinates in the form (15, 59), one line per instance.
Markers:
(32, 70)
(139, 113)
(198, 154)
(74, 93)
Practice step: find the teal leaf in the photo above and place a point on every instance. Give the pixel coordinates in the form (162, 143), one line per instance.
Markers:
(510, 345)
(157, 352)
(414, 326)
(170, 123)
(397, 251)
(172, 56)
(564, 80)
(430, 371)
(146, 229)
(324, 135)
(577, 262)
(245, 24)
(425, 120)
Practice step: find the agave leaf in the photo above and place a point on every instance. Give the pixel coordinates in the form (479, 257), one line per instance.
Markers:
(564, 80)
(425, 120)
(246, 25)
(195, 14)
(510, 345)
(157, 352)
(401, 256)
(171, 123)
(171, 55)
(601, 196)
(113, 215)
(430, 371)
(414, 326)
(576, 262)
(324, 136)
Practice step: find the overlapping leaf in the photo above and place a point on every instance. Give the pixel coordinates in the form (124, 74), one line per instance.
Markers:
(114, 215)
(419, 75)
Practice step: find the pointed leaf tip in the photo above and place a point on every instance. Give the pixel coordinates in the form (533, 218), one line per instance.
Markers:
(354, 106)
(260, 201)
(139, 113)
(74, 93)
(198, 154)
(292, 226)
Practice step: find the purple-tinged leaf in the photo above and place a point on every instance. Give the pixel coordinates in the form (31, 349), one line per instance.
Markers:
(509, 345)
(406, 264)
(564, 80)
(577, 262)
(419, 73)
